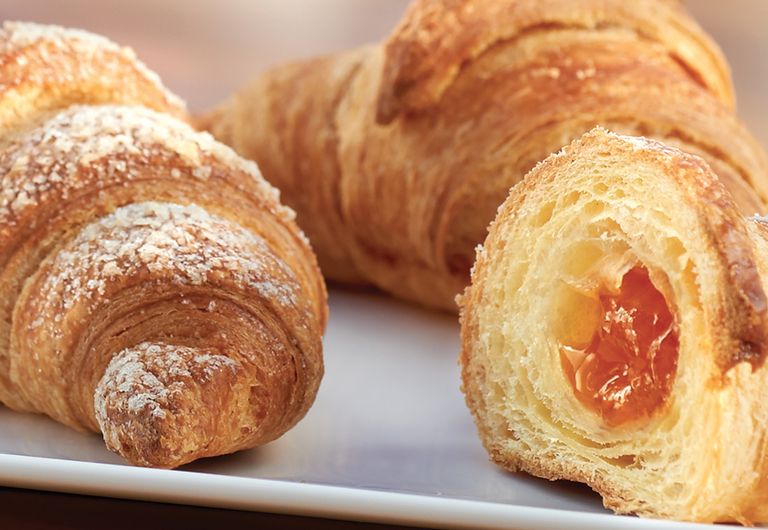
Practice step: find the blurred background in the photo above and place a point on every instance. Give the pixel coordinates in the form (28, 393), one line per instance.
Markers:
(204, 49)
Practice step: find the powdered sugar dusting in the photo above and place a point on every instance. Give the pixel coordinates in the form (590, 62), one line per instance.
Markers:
(181, 244)
(48, 158)
(142, 382)
(15, 36)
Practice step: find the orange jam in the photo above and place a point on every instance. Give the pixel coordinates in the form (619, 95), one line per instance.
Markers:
(626, 372)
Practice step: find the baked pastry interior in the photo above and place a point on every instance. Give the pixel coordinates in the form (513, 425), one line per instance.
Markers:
(615, 332)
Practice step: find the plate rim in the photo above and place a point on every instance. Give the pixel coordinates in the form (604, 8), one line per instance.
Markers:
(296, 498)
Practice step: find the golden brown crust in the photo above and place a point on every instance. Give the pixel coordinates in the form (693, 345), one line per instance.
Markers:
(45, 68)
(293, 133)
(436, 38)
(746, 309)
(152, 286)
(671, 212)
(489, 89)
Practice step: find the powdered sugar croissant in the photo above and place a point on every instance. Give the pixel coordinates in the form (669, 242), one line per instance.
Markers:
(616, 329)
(152, 286)
(396, 156)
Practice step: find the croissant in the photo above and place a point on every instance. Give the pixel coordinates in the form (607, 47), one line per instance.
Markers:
(615, 332)
(396, 156)
(152, 286)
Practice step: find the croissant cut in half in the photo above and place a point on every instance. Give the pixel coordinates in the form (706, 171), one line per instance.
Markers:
(615, 332)
(152, 287)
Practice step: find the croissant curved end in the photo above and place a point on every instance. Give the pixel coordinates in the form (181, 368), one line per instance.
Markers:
(156, 403)
(190, 335)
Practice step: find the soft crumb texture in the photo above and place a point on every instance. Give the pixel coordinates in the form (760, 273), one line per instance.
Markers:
(575, 228)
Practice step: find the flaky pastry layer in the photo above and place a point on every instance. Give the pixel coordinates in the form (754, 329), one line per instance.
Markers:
(604, 204)
(152, 287)
(396, 156)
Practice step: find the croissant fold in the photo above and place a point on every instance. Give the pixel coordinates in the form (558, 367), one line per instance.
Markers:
(396, 156)
(152, 286)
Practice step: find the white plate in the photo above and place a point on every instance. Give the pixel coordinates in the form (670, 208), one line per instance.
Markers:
(388, 440)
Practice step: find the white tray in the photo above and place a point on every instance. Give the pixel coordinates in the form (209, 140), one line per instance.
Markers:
(388, 440)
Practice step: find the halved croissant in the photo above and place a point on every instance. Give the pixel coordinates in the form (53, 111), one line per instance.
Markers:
(152, 286)
(615, 332)
(397, 156)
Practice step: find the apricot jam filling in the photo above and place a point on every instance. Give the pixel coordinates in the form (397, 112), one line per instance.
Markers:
(627, 370)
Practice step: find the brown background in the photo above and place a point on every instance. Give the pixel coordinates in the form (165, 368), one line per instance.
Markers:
(204, 49)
